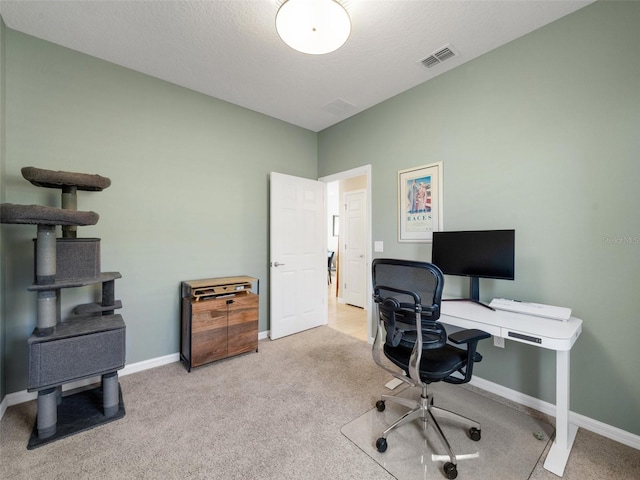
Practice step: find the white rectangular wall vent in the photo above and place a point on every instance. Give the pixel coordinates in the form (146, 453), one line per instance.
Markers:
(438, 56)
(339, 107)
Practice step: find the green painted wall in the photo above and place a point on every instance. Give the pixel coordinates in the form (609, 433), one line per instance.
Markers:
(189, 193)
(540, 135)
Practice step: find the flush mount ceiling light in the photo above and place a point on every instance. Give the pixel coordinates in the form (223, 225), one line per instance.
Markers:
(313, 26)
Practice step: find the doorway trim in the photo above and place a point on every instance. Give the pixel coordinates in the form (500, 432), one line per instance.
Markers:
(357, 172)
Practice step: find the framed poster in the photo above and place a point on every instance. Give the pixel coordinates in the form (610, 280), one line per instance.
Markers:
(419, 203)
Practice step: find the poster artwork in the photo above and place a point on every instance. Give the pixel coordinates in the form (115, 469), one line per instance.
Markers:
(418, 213)
(419, 203)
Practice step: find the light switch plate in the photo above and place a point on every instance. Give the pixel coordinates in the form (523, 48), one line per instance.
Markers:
(378, 246)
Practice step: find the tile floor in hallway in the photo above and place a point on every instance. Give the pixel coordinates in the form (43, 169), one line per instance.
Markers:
(346, 318)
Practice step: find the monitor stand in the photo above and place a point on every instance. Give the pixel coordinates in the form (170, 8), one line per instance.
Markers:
(474, 294)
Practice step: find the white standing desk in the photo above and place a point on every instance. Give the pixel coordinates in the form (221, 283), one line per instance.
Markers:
(539, 332)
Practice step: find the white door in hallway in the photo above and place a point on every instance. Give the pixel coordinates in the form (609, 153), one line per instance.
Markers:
(298, 255)
(354, 248)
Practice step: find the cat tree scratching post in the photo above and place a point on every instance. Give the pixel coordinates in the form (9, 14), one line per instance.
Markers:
(58, 349)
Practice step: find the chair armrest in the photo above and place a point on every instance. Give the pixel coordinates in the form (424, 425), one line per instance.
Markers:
(466, 336)
(471, 338)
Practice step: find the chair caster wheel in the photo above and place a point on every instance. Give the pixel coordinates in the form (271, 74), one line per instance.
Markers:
(474, 434)
(380, 405)
(381, 445)
(450, 470)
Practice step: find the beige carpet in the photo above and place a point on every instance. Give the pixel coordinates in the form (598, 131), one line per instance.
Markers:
(274, 415)
(509, 447)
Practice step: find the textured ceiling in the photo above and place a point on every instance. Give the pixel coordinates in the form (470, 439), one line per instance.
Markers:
(230, 49)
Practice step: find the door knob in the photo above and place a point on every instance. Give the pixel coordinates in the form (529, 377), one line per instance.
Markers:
(277, 264)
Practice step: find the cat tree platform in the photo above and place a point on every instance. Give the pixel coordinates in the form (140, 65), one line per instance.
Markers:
(40, 215)
(57, 179)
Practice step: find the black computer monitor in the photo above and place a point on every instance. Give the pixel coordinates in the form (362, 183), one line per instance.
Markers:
(475, 254)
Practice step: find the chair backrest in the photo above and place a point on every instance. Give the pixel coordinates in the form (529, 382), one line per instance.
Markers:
(399, 286)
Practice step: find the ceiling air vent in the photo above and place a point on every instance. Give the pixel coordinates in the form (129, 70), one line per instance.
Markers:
(339, 107)
(438, 56)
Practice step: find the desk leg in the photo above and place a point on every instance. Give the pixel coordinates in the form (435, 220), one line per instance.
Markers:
(565, 432)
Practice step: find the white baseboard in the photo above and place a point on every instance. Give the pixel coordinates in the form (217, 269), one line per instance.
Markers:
(25, 396)
(587, 423)
(147, 364)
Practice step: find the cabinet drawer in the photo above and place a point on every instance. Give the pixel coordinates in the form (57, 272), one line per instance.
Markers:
(243, 324)
(208, 346)
(242, 338)
(244, 309)
(208, 315)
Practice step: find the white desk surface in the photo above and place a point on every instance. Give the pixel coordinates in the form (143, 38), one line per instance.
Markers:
(552, 334)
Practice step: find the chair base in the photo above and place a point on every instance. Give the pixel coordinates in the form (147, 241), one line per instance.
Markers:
(423, 409)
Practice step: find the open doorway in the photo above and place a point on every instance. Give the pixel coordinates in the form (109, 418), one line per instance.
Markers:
(349, 237)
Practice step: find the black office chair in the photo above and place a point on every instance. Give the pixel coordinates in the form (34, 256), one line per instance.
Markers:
(330, 257)
(407, 295)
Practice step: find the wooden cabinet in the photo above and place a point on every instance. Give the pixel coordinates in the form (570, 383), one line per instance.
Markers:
(219, 319)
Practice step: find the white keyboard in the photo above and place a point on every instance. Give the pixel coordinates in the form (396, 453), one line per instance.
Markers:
(537, 309)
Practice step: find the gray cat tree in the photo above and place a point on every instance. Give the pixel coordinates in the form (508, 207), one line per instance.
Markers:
(91, 342)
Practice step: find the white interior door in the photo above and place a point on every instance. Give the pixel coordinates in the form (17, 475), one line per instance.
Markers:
(298, 255)
(355, 254)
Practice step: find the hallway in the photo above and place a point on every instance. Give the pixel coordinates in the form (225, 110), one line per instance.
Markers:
(346, 318)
